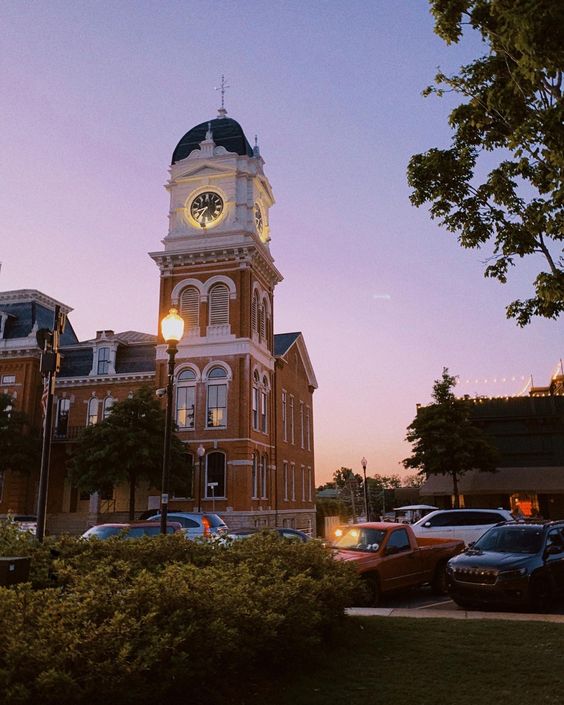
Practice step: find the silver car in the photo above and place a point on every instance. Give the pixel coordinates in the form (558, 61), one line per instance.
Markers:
(197, 523)
(465, 524)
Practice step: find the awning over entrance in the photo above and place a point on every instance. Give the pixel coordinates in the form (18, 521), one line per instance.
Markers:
(505, 480)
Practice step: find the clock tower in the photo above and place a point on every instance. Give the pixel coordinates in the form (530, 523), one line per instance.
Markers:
(216, 268)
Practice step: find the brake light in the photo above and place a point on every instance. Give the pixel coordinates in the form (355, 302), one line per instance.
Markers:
(206, 524)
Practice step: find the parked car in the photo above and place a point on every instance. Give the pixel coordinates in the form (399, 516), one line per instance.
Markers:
(410, 513)
(283, 532)
(134, 530)
(24, 522)
(515, 563)
(197, 523)
(465, 524)
(390, 557)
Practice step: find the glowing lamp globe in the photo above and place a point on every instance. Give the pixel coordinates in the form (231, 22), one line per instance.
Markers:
(172, 326)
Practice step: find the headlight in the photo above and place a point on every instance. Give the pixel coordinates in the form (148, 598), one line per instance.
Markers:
(511, 574)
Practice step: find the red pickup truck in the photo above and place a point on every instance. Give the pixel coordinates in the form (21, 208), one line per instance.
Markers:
(390, 557)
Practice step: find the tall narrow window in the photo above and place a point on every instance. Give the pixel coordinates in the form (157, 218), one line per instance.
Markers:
(63, 408)
(190, 308)
(286, 479)
(109, 401)
(185, 399)
(254, 476)
(308, 431)
(263, 310)
(309, 483)
(217, 398)
(292, 435)
(255, 312)
(256, 401)
(103, 361)
(264, 477)
(263, 405)
(215, 475)
(303, 483)
(302, 430)
(92, 417)
(219, 305)
(293, 481)
(284, 417)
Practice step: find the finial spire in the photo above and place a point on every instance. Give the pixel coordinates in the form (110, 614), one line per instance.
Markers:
(222, 112)
(256, 150)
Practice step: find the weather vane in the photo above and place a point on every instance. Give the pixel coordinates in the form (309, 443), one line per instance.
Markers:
(222, 111)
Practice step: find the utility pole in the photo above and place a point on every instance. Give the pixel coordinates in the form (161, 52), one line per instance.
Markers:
(48, 341)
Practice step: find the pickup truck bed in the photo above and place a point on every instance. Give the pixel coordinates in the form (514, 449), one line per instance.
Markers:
(390, 557)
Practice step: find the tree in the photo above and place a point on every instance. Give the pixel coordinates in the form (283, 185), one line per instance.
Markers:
(445, 441)
(512, 113)
(412, 481)
(349, 485)
(20, 445)
(126, 447)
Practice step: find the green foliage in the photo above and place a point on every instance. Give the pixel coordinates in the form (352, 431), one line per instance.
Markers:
(126, 447)
(512, 110)
(445, 441)
(20, 445)
(156, 618)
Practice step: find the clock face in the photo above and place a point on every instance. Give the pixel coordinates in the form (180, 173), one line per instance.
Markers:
(206, 207)
(258, 219)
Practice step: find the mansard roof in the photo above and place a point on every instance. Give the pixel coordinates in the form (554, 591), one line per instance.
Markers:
(28, 310)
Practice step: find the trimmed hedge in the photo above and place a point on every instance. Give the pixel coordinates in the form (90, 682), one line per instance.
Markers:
(146, 620)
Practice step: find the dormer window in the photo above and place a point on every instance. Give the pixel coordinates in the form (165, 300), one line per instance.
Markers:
(103, 361)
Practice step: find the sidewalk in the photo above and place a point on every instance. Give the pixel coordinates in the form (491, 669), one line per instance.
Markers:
(451, 614)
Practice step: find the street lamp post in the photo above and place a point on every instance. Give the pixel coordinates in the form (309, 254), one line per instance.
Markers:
(364, 463)
(201, 452)
(172, 328)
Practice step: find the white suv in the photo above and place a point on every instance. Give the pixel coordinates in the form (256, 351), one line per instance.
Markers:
(465, 524)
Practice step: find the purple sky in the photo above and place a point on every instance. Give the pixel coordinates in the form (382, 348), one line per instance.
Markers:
(97, 94)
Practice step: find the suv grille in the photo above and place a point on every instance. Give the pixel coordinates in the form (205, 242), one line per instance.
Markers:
(475, 575)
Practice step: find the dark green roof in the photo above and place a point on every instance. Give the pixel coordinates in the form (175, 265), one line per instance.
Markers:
(226, 133)
(283, 341)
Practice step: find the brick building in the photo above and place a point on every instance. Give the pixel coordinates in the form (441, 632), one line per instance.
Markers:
(243, 395)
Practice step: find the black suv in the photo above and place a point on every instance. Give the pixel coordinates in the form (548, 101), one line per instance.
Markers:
(514, 563)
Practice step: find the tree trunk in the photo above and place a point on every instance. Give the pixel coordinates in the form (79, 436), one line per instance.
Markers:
(131, 499)
(455, 491)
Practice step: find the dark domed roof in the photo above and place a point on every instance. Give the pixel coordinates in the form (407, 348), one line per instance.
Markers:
(226, 133)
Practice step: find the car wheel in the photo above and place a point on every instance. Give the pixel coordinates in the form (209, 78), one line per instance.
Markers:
(540, 594)
(371, 590)
(439, 583)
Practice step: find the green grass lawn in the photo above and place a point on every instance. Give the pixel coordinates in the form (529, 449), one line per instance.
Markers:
(389, 661)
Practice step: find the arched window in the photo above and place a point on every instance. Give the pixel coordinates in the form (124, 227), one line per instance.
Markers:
(92, 412)
(254, 476)
(217, 398)
(264, 477)
(256, 384)
(255, 312)
(219, 305)
(186, 399)
(215, 475)
(109, 401)
(190, 308)
(63, 408)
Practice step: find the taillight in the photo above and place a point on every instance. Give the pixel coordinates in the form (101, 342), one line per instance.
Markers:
(206, 524)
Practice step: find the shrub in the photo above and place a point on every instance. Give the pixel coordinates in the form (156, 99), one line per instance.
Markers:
(143, 621)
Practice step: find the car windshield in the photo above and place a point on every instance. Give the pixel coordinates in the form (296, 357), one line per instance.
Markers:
(359, 539)
(511, 539)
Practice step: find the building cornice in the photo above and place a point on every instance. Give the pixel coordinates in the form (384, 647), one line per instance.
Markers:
(84, 381)
(32, 295)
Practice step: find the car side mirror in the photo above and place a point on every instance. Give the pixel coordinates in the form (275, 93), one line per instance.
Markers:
(427, 524)
(391, 550)
(553, 550)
